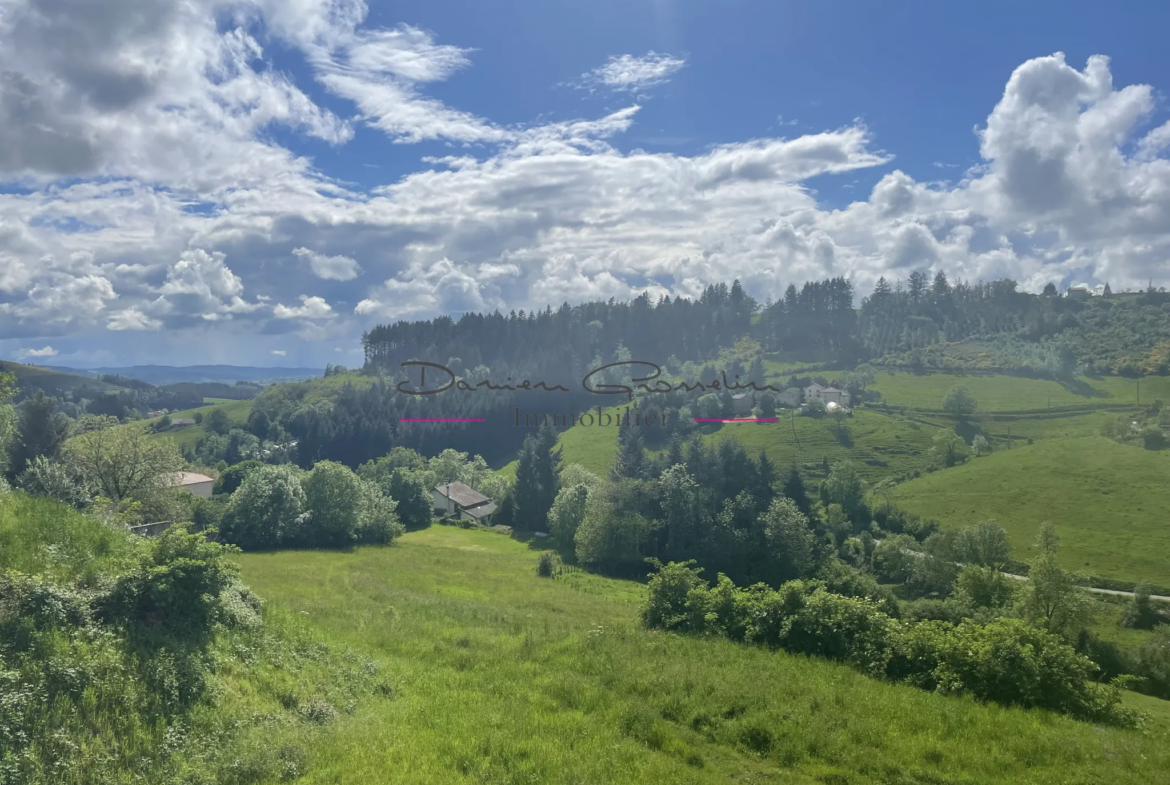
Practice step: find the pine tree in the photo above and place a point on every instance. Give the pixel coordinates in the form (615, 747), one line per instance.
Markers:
(794, 489)
(41, 430)
(537, 480)
(631, 457)
(764, 479)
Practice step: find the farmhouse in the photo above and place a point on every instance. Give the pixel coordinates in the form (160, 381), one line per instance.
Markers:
(462, 501)
(198, 484)
(827, 394)
(741, 404)
(181, 421)
(790, 397)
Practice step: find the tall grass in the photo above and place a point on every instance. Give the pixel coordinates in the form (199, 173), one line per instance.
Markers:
(504, 676)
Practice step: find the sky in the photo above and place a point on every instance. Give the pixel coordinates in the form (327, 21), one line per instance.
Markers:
(258, 182)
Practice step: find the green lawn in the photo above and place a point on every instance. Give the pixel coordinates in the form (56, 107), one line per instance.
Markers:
(1108, 501)
(1013, 393)
(504, 677)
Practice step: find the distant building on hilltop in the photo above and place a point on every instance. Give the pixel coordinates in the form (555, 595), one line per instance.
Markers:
(1082, 290)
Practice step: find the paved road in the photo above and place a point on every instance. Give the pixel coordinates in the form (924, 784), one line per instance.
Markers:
(1093, 589)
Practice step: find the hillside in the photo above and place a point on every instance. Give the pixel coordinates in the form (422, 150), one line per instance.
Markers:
(1108, 501)
(174, 374)
(30, 378)
(502, 676)
(187, 435)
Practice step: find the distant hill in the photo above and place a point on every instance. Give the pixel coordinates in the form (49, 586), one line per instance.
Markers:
(56, 381)
(171, 374)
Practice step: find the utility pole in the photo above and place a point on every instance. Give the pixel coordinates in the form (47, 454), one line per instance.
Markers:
(1138, 387)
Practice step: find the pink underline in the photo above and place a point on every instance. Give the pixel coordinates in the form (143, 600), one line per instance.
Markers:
(440, 419)
(732, 419)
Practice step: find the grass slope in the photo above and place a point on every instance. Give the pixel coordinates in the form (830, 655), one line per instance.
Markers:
(30, 378)
(1016, 393)
(187, 435)
(502, 676)
(1108, 502)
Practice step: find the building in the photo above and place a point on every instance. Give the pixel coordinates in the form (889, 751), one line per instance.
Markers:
(198, 484)
(833, 395)
(1079, 290)
(463, 502)
(790, 397)
(158, 413)
(741, 404)
(182, 421)
(827, 394)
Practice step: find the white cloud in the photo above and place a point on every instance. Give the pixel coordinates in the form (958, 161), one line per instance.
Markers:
(157, 117)
(310, 308)
(47, 351)
(634, 74)
(279, 352)
(336, 268)
(132, 319)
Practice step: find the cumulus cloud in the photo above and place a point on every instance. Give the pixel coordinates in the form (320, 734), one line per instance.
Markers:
(132, 319)
(633, 74)
(154, 198)
(336, 268)
(279, 352)
(47, 351)
(310, 308)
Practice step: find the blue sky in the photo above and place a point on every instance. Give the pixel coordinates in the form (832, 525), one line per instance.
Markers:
(259, 181)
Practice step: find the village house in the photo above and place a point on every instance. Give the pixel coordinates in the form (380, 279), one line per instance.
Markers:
(790, 397)
(181, 421)
(827, 394)
(462, 502)
(741, 404)
(158, 413)
(199, 484)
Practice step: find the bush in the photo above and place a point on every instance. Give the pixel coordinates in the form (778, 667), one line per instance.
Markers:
(378, 522)
(546, 565)
(60, 480)
(267, 510)
(231, 479)
(334, 501)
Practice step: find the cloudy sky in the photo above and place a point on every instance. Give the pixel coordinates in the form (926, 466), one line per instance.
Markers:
(259, 181)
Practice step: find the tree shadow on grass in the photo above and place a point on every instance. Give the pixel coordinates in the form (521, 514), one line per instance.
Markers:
(844, 436)
(1083, 389)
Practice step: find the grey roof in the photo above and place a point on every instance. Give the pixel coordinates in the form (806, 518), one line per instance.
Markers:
(183, 421)
(792, 390)
(482, 511)
(462, 495)
(738, 397)
(831, 389)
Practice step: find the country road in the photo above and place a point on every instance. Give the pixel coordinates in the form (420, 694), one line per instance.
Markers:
(1095, 590)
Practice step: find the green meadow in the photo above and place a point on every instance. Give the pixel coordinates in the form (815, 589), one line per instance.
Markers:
(187, 435)
(1016, 393)
(1107, 500)
(501, 676)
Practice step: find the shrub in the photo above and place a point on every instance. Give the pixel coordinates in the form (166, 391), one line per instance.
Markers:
(334, 500)
(546, 565)
(267, 510)
(231, 479)
(60, 480)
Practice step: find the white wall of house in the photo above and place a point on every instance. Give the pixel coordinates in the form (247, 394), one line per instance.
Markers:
(201, 489)
(442, 502)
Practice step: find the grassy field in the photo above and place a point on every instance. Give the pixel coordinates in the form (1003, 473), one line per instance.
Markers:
(1107, 500)
(501, 676)
(187, 435)
(1014, 393)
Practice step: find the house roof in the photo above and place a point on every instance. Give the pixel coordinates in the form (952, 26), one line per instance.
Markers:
(814, 386)
(183, 421)
(831, 389)
(792, 390)
(482, 511)
(739, 396)
(190, 478)
(461, 494)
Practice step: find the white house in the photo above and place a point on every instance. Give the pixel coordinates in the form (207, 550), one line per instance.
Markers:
(741, 404)
(833, 395)
(462, 501)
(198, 484)
(827, 394)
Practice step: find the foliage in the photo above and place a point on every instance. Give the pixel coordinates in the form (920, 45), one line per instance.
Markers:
(122, 462)
(267, 510)
(959, 403)
(949, 449)
(61, 480)
(40, 430)
(231, 478)
(1005, 661)
(1052, 598)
